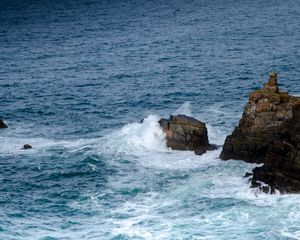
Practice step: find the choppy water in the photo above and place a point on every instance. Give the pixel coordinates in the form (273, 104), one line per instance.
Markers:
(76, 77)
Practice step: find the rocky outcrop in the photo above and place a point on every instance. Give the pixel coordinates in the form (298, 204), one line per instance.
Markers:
(269, 133)
(186, 133)
(2, 124)
(282, 163)
(266, 119)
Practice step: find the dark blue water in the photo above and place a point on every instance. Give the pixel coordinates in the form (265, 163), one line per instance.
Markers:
(76, 77)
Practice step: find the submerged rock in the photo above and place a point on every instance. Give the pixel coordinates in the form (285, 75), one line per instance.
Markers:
(269, 133)
(2, 124)
(186, 133)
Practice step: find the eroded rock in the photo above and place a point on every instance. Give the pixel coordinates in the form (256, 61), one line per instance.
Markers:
(269, 133)
(265, 120)
(186, 133)
(282, 163)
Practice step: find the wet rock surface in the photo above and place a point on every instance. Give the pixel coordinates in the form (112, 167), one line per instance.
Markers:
(186, 133)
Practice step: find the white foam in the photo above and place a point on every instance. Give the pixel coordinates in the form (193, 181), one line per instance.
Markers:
(216, 135)
(179, 160)
(140, 212)
(135, 139)
(146, 143)
(13, 145)
(222, 182)
(169, 207)
(286, 232)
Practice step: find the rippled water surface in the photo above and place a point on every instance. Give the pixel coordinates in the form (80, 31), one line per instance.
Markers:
(76, 78)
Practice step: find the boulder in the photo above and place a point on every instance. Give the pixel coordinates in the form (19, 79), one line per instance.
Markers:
(186, 133)
(266, 119)
(2, 124)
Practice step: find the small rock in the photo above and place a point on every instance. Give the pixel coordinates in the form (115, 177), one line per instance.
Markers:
(2, 124)
(255, 184)
(212, 147)
(265, 189)
(27, 146)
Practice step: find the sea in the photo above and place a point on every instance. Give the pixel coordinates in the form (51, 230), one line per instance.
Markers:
(76, 79)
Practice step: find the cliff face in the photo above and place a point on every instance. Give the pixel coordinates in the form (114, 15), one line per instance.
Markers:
(269, 133)
(186, 133)
(266, 119)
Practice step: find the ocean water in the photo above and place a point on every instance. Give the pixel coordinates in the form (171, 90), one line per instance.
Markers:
(76, 78)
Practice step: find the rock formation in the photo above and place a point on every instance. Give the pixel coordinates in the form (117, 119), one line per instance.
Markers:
(282, 163)
(266, 119)
(269, 133)
(2, 124)
(186, 133)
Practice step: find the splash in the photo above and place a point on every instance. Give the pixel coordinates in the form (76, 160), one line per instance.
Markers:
(185, 109)
(216, 135)
(136, 138)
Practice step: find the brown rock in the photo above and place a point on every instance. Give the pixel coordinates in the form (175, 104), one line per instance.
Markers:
(269, 133)
(271, 86)
(265, 119)
(186, 133)
(282, 163)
